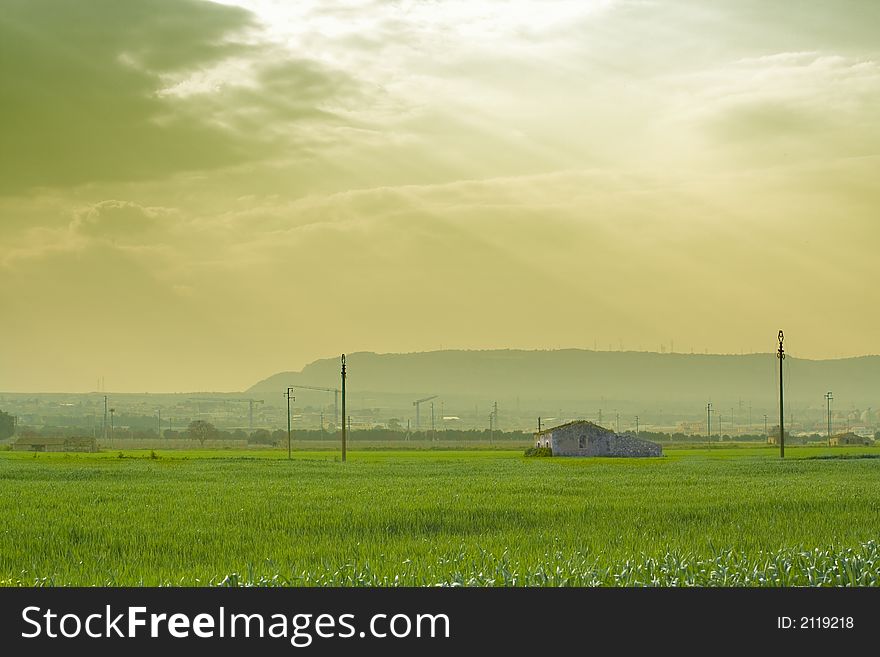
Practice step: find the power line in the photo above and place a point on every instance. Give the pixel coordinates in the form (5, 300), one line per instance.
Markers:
(289, 398)
(829, 397)
(343, 408)
(781, 356)
(709, 421)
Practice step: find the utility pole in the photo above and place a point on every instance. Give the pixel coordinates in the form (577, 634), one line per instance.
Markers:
(828, 398)
(104, 423)
(617, 415)
(159, 422)
(709, 421)
(637, 425)
(765, 425)
(495, 414)
(781, 356)
(289, 397)
(112, 412)
(433, 433)
(539, 424)
(343, 408)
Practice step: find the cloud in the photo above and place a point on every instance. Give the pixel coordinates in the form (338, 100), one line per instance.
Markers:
(832, 85)
(87, 91)
(778, 109)
(119, 219)
(111, 224)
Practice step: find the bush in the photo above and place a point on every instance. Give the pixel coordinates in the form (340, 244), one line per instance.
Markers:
(539, 451)
(261, 437)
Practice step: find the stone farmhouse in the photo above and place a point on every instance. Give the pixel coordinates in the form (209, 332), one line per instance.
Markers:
(582, 438)
(850, 438)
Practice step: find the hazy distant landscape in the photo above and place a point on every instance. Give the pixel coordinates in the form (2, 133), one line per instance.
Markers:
(668, 392)
(578, 377)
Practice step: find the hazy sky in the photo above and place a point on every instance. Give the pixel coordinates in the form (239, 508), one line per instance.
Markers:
(195, 195)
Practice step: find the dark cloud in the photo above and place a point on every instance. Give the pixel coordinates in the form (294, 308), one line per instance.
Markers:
(79, 101)
(283, 93)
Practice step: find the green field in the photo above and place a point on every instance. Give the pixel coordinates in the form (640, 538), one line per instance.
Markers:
(735, 516)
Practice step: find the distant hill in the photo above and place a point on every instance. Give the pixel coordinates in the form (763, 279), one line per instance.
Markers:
(577, 374)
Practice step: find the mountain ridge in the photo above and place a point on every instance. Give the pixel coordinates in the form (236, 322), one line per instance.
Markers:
(588, 374)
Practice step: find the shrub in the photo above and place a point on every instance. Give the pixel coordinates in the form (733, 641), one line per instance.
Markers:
(539, 451)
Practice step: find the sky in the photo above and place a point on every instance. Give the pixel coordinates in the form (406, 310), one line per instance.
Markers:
(196, 195)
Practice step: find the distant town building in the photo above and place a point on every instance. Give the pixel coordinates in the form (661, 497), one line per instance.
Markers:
(582, 438)
(38, 444)
(773, 435)
(850, 438)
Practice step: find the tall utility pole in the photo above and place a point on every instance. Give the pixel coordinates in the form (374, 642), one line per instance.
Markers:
(112, 412)
(104, 423)
(637, 425)
(617, 417)
(828, 398)
(343, 408)
(433, 433)
(709, 421)
(289, 397)
(781, 356)
(539, 424)
(765, 425)
(495, 415)
(159, 422)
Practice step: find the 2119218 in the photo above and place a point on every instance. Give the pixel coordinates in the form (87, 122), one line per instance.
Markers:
(815, 623)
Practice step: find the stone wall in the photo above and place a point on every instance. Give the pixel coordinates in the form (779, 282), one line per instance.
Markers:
(588, 439)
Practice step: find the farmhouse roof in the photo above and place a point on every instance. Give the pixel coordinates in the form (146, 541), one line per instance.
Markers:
(570, 424)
